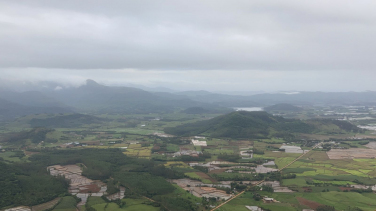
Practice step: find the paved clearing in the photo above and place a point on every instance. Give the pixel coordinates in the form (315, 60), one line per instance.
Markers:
(371, 145)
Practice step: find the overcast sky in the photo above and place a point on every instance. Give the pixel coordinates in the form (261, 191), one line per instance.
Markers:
(190, 45)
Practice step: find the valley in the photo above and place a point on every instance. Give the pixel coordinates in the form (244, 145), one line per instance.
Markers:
(289, 158)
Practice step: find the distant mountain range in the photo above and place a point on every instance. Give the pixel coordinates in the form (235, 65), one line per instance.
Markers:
(96, 98)
(283, 107)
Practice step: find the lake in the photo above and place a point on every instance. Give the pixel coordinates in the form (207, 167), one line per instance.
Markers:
(249, 109)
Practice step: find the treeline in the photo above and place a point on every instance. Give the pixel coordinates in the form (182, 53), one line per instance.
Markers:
(28, 184)
(35, 135)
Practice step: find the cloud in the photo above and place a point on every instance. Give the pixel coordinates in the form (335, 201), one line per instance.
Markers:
(211, 80)
(188, 35)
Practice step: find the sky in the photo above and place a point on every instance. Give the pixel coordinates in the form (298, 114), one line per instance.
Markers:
(213, 45)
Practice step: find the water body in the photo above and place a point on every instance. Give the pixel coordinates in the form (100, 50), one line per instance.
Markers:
(249, 109)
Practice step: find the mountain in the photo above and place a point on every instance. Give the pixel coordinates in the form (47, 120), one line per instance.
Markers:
(283, 107)
(258, 124)
(97, 98)
(295, 98)
(10, 110)
(220, 99)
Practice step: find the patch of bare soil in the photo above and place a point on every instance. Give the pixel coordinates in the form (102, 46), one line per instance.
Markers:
(308, 203)
(92, 188)
(307, 189)
(345, 188)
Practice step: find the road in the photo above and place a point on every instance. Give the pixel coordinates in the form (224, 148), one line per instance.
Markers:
(258, 183)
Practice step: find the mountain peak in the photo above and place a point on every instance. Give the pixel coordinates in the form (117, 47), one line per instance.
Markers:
(90, 82)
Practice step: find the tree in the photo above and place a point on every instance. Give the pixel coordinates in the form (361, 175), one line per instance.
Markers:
(325, 208)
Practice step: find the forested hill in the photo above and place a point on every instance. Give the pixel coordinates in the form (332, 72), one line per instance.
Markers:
(256, 124)
(241, 124)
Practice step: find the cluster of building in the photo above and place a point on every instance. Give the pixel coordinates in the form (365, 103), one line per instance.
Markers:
(79, 185)
(192, 153)
(200, 189)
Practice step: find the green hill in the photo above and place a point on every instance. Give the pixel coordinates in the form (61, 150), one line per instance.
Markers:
(257, 124)
(241, 124)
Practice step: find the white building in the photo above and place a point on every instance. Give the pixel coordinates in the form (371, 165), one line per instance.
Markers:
(198, 143)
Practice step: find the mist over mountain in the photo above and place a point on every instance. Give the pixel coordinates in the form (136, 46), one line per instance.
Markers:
(10, 110)
(93, 97)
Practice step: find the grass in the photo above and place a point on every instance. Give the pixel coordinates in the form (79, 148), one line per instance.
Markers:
(8, 156)
(172, 147)
(219, 151)
(297, 170)
(343, 183)
(340, 200)
(130, 205)
(135, 150)
(299, 181)
(192, 175)
(67, 203)
(93, 200)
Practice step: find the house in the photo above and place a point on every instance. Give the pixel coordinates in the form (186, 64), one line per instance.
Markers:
(199, 143)
(254, 208)
(268, 200)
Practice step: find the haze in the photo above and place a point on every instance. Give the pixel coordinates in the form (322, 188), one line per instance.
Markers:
(222, 46)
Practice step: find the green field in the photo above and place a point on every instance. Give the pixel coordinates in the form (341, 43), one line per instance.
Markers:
(67, 203)
(130, 205)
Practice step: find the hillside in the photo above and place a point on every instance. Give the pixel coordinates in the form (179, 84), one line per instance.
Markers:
(283, 107)
(30, 98)
(9, 110)
(66, 121)
(241, 124)
(258, 124)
